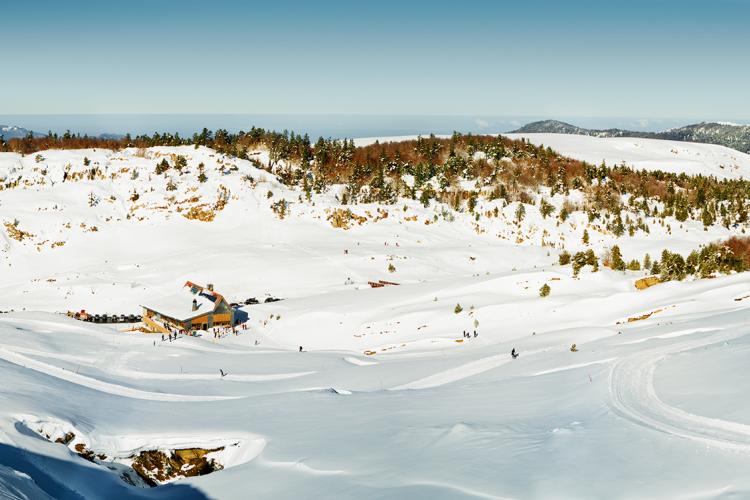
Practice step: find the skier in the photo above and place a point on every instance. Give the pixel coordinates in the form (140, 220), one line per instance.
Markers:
(162, 337)
(513, 353)
(300, 348)
(475, 334)
(222, 373)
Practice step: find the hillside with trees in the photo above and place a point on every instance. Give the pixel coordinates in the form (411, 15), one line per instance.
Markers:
(724, 134)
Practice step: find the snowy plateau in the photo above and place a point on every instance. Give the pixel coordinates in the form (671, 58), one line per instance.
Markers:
(344, 390)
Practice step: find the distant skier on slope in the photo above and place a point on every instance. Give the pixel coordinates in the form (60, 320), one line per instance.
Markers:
(513, 353)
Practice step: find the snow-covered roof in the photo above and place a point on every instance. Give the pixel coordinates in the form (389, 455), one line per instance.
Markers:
(179, 306)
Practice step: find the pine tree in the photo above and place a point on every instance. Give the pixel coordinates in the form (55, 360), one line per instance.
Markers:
(707, 217)
(545, 208)
(563, 213)
(579, 261)
(180, 162)
(544, 290)
(564, 258)
(672, 266)
(591, 259)
(161, 167)
(585, 238)
(616, 261)
(201, 173)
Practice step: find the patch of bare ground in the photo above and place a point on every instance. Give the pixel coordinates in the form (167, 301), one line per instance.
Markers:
(157, 467)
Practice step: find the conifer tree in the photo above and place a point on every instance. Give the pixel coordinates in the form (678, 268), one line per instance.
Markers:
(616, 261)
(564, 258)
(545, 208)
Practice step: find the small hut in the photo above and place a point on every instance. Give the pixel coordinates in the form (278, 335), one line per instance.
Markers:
(193, 308)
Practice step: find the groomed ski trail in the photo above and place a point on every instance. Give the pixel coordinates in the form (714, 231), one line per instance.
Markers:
(633, 396)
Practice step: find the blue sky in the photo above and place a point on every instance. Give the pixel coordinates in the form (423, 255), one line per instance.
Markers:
(648, 59)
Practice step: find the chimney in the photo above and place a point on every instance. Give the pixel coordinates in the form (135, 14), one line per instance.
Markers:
(195, 305)
(210, 287)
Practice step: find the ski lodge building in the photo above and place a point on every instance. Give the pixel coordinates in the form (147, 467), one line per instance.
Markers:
(194, 308)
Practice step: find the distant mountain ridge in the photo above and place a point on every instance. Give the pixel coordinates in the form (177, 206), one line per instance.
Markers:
(13, 132)
(724, 134)
(8, 132)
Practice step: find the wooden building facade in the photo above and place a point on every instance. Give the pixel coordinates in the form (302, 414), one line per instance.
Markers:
(194, 308)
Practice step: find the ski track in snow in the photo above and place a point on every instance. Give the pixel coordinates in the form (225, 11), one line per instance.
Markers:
(670, 335)
(134, 374)
(461, 372)
(359, 362)
(633, 396)
(573, 367)
(99, 385)
(120, 369)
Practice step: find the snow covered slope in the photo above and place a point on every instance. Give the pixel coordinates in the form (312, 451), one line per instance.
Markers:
(628, 415)
(649, 154)
(388, 399)
(88, 244)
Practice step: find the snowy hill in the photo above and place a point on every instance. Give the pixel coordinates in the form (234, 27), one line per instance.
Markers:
(389, 398)
(648, 154)
(731, 135)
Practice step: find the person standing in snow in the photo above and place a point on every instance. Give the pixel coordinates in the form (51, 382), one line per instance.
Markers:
(475, 334)
(513, 353)
(300, 348)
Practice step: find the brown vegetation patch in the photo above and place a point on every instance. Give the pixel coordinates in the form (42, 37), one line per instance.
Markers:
(84, 452)
(648, 281)
(740, 246)
(644, 316)
(16, 233)
(200, 213)
(343, 218)
(157, 467)
(66, 439)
